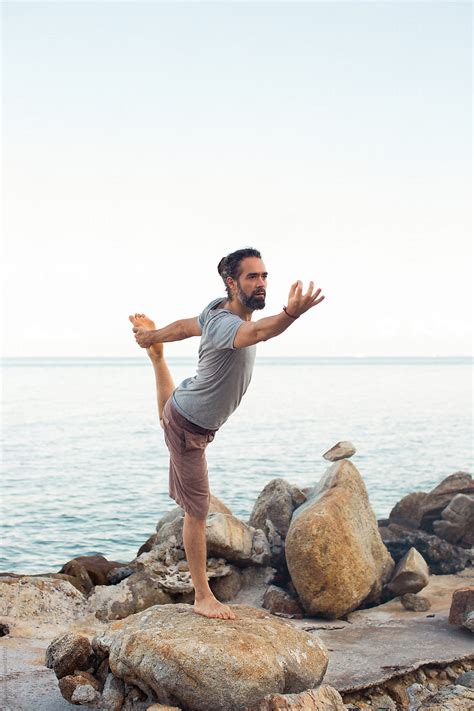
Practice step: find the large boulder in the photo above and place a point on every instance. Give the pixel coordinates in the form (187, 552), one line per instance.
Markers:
(177, 657)
(334, 552)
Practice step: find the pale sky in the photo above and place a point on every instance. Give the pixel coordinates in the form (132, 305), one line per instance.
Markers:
(144, 141)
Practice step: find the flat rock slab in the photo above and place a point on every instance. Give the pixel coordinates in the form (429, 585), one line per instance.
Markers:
(362, 656)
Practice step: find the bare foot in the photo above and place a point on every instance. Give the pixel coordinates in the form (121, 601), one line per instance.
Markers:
(142, 321)
(210, 607)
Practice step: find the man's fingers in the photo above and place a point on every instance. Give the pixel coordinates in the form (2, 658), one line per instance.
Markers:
(310, 288)
(293, 289)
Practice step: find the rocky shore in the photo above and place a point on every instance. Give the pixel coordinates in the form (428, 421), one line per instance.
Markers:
(335, 610)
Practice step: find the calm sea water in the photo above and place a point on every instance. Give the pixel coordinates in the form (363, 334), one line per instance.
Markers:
(85, 467)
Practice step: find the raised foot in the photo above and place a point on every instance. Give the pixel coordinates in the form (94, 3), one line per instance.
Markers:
(210, 607)
(155, 351)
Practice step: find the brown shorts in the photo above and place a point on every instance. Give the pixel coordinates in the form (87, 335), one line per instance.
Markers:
(188, 478)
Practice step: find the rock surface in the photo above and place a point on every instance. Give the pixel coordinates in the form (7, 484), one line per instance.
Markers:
(324, 698)
(42, 598)
(176, 657)
(334, 551)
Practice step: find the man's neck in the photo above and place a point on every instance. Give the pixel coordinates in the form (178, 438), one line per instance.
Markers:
(237, 308)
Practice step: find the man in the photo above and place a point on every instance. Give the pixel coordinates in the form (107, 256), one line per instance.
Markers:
(192, 413)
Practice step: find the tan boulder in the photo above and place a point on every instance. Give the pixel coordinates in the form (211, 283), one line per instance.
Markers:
(179, 658)
(335, 555)
(230, 538)
(410, 575)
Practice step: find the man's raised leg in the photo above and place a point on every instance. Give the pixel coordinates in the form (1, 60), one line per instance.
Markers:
(194, 538)
(163, 379)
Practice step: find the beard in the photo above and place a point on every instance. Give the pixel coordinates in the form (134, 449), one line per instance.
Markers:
(252, 302)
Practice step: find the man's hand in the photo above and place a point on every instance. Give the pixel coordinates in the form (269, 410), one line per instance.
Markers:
(144, 337)
(299, 303)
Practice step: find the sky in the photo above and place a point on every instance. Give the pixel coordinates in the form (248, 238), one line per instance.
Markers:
(143, 141)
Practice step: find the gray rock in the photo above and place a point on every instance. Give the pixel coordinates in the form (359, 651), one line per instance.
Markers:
(410, 575)
(113, 694)
(408, 511)
(442, 557)
(466, 679)
(441, 496)
(457, 519)
(450, 698)
(279, 602)
(226, 587)
(276, 503)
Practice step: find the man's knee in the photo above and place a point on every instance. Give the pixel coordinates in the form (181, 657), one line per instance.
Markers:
(195, 520)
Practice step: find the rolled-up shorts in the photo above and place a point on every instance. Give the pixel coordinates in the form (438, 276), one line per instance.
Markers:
(188, 475)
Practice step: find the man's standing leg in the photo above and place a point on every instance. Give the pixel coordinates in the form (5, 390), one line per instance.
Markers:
(194, 538)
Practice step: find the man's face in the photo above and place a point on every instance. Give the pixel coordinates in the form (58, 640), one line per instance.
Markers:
(252, 283)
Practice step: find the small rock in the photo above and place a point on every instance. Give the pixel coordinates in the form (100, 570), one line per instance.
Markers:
(113, 693)
(466, 679)
(416, 603)
(341, 450)
(80, 688)
(410, 575)
(69, 652)
(279, 602)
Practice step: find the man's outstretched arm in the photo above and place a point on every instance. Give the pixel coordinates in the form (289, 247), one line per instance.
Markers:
(176, 331)
(271, 326)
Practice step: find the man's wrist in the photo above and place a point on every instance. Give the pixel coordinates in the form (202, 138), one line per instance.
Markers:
(292, 316)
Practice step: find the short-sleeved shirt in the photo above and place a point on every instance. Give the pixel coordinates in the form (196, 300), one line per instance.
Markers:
(223, 373)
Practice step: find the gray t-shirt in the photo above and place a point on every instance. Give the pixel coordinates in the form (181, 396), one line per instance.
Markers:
(223, 373)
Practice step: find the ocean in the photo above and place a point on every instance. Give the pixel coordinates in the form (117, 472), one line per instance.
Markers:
(85, 467)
